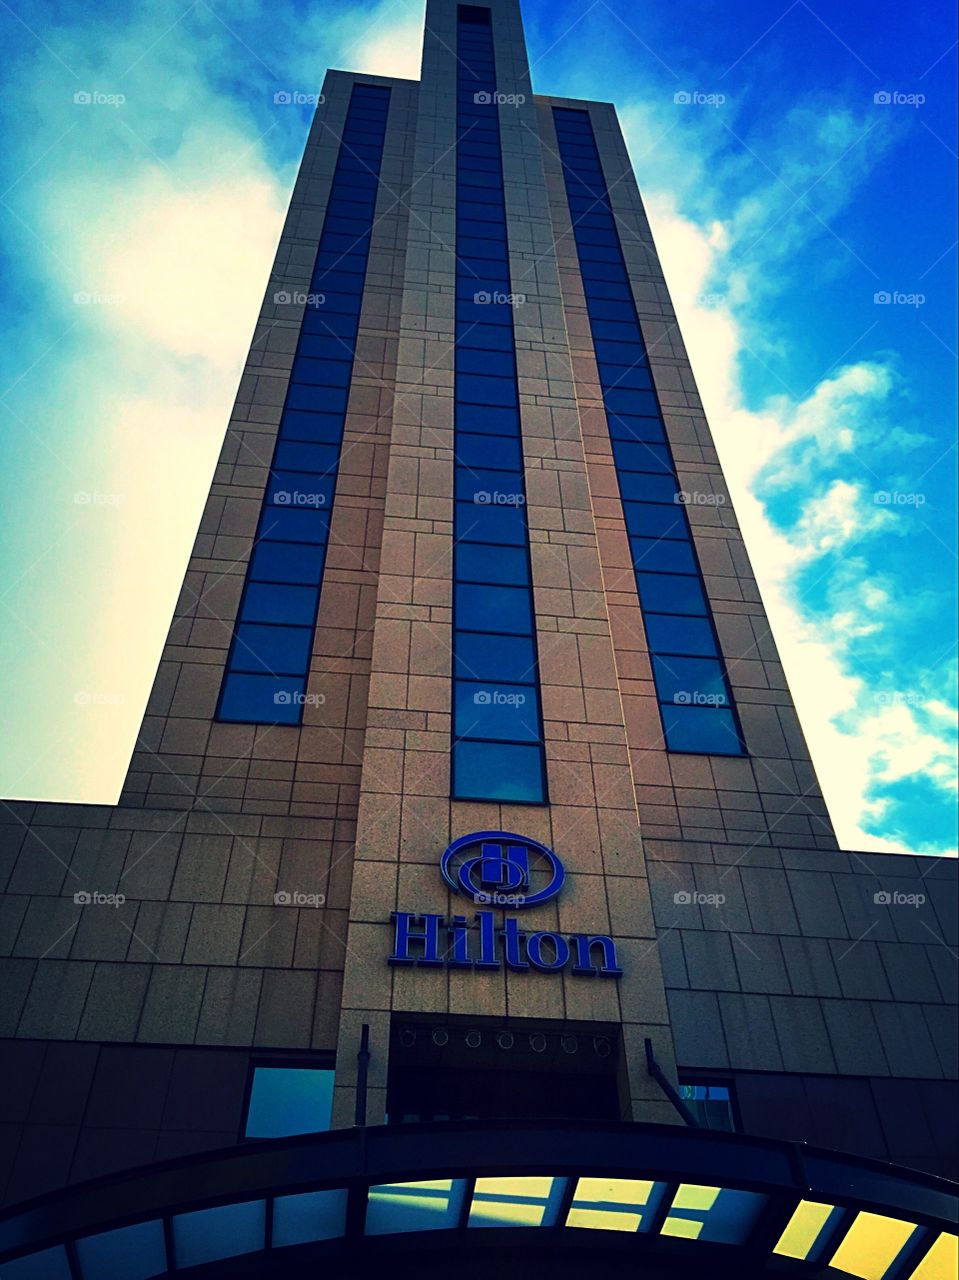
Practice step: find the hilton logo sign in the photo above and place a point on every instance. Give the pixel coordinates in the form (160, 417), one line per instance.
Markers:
(512, 873)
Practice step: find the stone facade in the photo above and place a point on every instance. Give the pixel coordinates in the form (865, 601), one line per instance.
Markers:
(754, 951)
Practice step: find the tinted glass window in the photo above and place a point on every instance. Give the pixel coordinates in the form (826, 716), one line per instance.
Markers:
(498, 771)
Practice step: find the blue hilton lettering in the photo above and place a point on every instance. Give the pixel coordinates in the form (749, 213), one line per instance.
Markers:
(432, 941)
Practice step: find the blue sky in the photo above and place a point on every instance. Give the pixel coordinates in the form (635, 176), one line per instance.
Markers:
(797, 161)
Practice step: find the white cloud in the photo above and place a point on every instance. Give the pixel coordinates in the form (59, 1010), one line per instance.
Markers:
(787, 446)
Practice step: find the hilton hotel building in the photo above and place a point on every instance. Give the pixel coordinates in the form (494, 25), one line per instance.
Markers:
(471, 900)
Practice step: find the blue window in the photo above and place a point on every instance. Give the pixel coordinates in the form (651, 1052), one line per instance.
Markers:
(489, 709)
(287, 562)
(497, 735)
(481, 607)
(283, 524)
(654, 520)
(702, 730)
(481, 522)
(695, 703)
(499, 488)
(274, 650)
(487, 451)
(501, 771)
(482, 656)
(508, 566)
(669, 633)
(288, 1100)
(695, 682)
(488, 419)
(641, 486)
(265, 680)
(279, 602)
(654, 555)
(671, 593)
(262, 699)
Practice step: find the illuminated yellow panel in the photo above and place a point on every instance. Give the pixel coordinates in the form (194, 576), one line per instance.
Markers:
(684, 1227)
(941, 1262)
(803, 1228)
(602, 1203)
(604, 1219)
(509, 1202)
(871, 1245)
(691, 1197)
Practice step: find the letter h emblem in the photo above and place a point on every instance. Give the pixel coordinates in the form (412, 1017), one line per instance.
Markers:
(506, 872)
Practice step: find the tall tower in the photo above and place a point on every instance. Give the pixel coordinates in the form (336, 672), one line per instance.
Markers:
(470, 788)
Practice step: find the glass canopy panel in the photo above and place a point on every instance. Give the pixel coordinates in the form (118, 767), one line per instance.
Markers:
(871, 1245)
(313, 1215)
(715, 1214)
(614, 1204)
(805, 1229)
(206, 1235)
(414, 1206)
(941, 1262)
(129, 1253)
(515, 1202)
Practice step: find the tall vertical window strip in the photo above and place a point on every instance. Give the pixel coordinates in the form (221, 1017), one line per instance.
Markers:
(694, 699)
(269, 660)
(497, 751)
